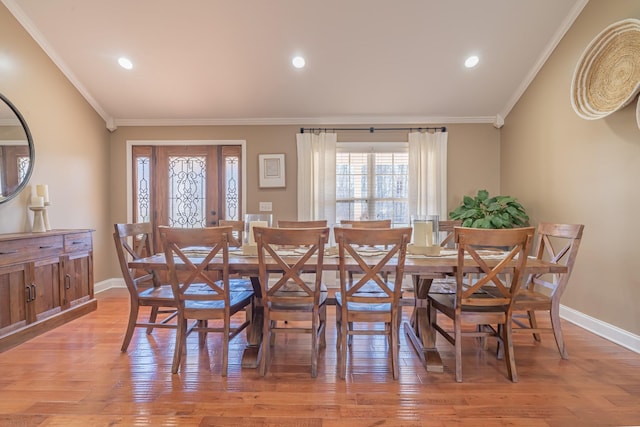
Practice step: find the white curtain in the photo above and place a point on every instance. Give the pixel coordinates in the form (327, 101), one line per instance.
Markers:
(317, 176)
(428, 174)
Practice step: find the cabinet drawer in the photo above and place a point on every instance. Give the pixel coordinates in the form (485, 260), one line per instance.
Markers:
(77, 242)
(23, 250)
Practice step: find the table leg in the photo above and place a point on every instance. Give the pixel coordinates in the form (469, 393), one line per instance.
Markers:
(252, 352)
(419, 331)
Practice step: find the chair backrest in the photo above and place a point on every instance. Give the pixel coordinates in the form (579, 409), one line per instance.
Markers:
(479, 246)
(302, 224)
(378, 223)
(310, 243)
(447, 227)
(134, 241)
(392, 242)
(198, 277)
(557, 243)
(237, 228)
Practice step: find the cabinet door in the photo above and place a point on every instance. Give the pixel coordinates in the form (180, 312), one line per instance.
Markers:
(45, 288)
(13, 297)
(78, 278)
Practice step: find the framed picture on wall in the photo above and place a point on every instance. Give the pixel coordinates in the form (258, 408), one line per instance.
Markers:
(271, 170)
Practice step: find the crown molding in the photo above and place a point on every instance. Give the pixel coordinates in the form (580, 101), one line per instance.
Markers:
(307, 121)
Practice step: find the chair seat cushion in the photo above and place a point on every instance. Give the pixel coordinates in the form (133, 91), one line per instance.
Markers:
(449, 301)
(237, 284)
(363, 306)
(237, 300)
(157, 293)
(291, 290)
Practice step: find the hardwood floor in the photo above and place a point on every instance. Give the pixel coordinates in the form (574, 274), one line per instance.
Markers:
(76, 375)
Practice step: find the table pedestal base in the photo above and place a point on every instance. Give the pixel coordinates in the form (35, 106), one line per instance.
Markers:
(429, 356)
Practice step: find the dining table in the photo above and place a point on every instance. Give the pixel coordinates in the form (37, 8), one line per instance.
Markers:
(422, 269)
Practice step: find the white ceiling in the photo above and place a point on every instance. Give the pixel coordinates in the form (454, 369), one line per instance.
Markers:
(229, 62)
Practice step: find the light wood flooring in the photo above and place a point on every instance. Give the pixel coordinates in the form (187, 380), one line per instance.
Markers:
(77, 376)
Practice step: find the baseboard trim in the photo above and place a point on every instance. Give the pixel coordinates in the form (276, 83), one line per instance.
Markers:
(108, 284)
(605, 330)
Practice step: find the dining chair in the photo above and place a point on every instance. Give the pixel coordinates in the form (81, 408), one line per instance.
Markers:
(237, 228)
(557, 243)
(302, 224)
(446, 228)
(288, 295)
(471, 304)
(200, 283)
(135, 241)
(373, 298)
(377, 223)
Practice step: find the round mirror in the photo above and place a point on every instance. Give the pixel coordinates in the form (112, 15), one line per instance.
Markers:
(16, 151)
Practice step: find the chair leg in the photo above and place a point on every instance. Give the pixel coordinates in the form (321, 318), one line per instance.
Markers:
(338, 326)
(323, 326)
(181, 336)
(266, 345)
(315, 329)
(153, 317)
(202, 334)
(509, 355)
(225, 346)
(131, 326)
(458, 349)
(534, 324)
(343, 344)
(557, 331)
(395, 346)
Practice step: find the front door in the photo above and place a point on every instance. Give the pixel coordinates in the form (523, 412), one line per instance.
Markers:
(190, 186)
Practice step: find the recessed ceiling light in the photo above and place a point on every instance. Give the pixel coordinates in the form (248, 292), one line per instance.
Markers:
(125, 63)
(298, 62)
(471, 61)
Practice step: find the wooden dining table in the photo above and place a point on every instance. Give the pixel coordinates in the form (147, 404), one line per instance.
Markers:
(423, 270)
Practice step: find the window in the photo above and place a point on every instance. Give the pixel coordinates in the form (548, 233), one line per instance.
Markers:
(372, 182)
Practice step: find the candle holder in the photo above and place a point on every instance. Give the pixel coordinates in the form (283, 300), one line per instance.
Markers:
(45, 216)
(38, 219)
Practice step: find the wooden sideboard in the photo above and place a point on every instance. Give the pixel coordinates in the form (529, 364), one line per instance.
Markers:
(46, 280)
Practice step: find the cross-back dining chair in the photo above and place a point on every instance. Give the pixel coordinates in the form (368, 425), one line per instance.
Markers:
(237, 228)
(471, 304)
(200, 283)
(557, 243)
(446, 228)
(374, 223)
(373, 298)
(135, 241)
(288, 295)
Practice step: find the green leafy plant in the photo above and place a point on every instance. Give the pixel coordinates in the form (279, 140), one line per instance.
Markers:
(483, 211)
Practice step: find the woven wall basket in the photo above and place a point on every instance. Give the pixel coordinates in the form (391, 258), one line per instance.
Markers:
(607, 76)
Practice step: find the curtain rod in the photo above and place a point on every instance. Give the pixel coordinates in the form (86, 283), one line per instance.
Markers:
(372, 129)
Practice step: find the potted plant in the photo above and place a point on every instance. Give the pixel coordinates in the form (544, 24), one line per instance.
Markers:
(483, 211)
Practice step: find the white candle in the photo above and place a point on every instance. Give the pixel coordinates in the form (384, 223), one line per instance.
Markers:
(37, 201)
(422, 233)
(252, 239)
(43, 191)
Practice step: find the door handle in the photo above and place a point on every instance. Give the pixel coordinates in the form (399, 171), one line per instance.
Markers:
(28, 292)
(67, 281)
(213, 212)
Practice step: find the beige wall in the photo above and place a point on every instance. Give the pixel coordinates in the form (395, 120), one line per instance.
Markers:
(71, 142)
(566, 169)
(473, 161)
